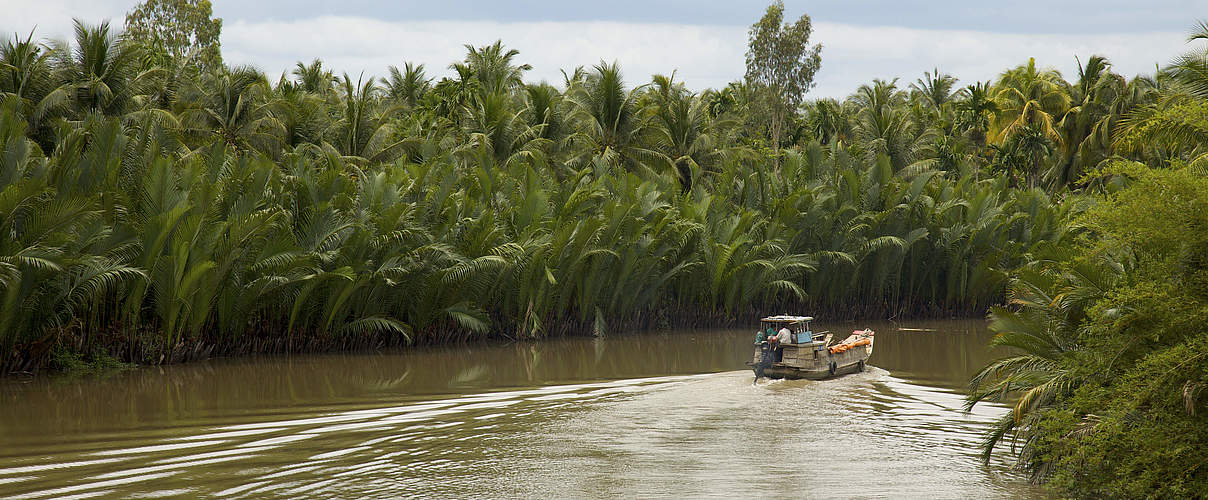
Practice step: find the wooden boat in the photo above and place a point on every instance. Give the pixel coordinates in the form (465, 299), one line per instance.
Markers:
(810, 355)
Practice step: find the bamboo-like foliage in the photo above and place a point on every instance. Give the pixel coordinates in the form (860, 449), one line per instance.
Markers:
(231, 213)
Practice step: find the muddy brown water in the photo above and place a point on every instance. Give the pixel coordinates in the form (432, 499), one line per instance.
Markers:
(646, 415)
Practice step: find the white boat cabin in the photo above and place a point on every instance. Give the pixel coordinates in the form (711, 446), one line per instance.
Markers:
(798, 326)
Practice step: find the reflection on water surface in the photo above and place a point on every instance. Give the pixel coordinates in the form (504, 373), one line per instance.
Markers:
(631, 416)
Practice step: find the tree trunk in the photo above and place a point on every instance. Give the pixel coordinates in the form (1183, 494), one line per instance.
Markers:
(776, 119)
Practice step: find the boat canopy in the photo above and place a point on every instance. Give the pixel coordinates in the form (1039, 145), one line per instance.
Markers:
(784, 318)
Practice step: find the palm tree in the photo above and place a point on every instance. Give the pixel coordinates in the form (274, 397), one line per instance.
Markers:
(935, 88)
(59, 260)
(26, 74)
(364, 131)
(975, 112)
(303, 115)
(1170, 122)
(1191, 69)
(829, 121)
(545, 110)
(1030, 98)
(234, 105)
(408, 86)
(684, 133)
(492, 66)
(1048, 306)
(1031, 102)
(608, 120)
(502, 132)
(885, 128)
(313, 78)
(100, 71)
(1092, 99)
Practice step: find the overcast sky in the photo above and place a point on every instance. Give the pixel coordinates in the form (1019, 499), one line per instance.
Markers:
(702, 41)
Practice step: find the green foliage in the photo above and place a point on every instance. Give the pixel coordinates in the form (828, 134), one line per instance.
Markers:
(176, 33)
(781, 65)
(1109, 385)
(72, 363)
(154, 215)
(247, 213)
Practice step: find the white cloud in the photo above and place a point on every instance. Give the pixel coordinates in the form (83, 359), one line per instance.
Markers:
(53, 18)
(702, 55)
(853, 55)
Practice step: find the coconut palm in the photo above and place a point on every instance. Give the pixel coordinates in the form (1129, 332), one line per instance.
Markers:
(408, 86)
(884, 126)
(684, 133)
(364, 131)
(99, 69)
(1092, 98)
(492, 67)
(608, 120)
(1030, 98)
(27, 75)
(975, 112)
(830, 121)
(313, 78)
(234, 105)
(935, 88)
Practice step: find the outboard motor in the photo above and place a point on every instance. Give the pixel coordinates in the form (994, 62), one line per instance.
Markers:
(767, 356)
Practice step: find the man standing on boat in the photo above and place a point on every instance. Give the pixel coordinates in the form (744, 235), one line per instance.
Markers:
(784, 336)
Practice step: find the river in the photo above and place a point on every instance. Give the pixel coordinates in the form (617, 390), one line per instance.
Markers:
(647, 415)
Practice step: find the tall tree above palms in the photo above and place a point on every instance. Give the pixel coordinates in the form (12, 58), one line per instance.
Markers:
(781, 65)
(174, 32)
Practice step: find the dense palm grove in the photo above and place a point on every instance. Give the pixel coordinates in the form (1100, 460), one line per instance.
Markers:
(153, 208)
(156, 209)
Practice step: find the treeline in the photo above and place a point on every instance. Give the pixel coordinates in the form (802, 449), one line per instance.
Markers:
(1107, 391)
(159, 212)
(156, 206)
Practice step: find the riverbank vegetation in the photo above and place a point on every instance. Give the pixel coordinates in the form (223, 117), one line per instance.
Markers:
(1108, 390)
(161, 210)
